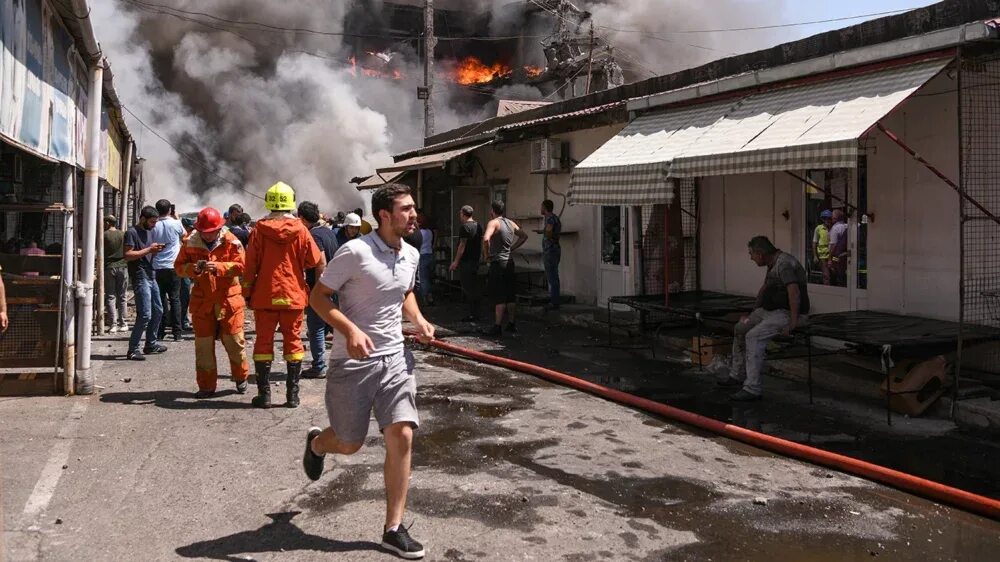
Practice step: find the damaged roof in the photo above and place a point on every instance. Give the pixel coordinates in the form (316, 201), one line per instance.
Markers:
(940, 16)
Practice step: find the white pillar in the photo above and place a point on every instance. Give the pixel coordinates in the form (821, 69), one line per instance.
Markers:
(69, 270)
(85, 287)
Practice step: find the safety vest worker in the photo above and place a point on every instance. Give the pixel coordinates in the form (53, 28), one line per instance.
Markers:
(214, 260)
(278, 253)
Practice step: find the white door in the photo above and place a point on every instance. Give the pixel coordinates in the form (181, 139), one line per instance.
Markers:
(614, 249)
(841, 286)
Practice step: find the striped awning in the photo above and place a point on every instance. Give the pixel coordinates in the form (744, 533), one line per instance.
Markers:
(814, 126)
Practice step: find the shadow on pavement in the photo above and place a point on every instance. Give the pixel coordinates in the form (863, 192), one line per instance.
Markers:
(280, 535)
(175, 400)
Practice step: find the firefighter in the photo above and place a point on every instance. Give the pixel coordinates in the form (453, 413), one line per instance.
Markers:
(279, 251)
(214, 260)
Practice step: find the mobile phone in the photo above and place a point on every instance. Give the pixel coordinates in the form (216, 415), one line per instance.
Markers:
(201, 264)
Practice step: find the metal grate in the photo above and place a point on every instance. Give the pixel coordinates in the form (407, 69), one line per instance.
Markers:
(980, 134)
(979, 130)
(683, 262)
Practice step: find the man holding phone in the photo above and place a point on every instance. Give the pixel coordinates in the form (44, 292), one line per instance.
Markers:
(139, 252)
(214, 259)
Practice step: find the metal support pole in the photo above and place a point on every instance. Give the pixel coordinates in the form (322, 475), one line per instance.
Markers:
(85, 286)
(430, 41)
(126, 184)
(68, 303)
(809, 348)
(892, 136)
(99, 241)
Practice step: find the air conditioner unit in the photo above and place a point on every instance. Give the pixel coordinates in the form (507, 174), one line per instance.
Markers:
(460, 166)
(549, 156)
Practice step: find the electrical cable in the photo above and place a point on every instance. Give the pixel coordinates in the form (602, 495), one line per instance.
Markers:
(190, 158)
(760, 27)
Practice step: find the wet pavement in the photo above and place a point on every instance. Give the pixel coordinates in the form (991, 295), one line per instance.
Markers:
(930, 448)
(506, 467)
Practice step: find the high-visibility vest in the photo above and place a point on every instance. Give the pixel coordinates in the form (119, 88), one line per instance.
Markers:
(822, 239)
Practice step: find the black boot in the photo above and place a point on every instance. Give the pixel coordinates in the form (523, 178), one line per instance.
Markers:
(263, 398)
(292, 385)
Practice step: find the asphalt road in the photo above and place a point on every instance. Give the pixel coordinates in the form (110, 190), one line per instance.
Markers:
(506, 467)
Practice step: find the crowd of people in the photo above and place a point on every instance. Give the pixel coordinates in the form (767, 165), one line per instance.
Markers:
(289, 266)
(829, 247)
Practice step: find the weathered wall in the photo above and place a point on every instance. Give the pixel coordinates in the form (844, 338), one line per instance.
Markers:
(525, 192)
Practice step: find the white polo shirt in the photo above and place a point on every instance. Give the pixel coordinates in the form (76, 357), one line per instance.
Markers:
(371, 280)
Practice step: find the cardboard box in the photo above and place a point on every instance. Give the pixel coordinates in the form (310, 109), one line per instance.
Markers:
(709, 350)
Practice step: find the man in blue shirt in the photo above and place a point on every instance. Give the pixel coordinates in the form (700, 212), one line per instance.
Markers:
(316, 328)
(169, 232)
(551, 251)
(139, 253)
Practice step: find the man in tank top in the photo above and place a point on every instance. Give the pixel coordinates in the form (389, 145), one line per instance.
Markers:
(502, 237)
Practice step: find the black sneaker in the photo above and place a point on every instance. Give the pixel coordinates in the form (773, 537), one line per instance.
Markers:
(135, 355)
(494, 332)
(729, 382)
(314, 373)
(744, 396)
(202, 394)
(177, 336)
(158, 348)
(400, 542)
(311, 462)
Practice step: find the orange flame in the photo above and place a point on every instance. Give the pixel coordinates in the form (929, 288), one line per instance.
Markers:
(394, 74)
(533, 71)
(471, 70)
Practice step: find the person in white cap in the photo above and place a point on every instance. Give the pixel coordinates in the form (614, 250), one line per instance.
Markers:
(350, 230)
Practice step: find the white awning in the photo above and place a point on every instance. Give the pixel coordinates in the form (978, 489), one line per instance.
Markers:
(795, 128)
(436, 160)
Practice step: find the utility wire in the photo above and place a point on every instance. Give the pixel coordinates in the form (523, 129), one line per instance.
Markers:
(755, 28)
(260, 26)
(188, 157)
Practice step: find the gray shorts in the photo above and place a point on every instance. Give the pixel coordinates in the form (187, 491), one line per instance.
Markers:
(354, 388)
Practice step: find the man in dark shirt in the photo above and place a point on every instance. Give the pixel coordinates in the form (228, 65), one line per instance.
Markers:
(551, 251)
(316, 328)
(115, 272)
(467, 257)
(782, 305)
(139, 252)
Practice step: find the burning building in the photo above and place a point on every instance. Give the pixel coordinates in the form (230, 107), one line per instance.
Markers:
(546, 45)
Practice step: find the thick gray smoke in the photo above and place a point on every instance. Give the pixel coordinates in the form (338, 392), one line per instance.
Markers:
(258, 105)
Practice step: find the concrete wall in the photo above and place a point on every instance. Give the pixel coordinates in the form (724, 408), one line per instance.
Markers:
(913, 243)
(525, 192)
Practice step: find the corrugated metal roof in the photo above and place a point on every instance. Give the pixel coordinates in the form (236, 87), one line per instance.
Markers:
(435, 160)
(378, 180)
(491, 133)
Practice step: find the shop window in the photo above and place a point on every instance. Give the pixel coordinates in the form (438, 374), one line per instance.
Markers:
(611, 235)
(827, 237)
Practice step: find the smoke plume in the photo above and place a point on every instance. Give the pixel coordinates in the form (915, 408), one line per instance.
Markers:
(243, 106)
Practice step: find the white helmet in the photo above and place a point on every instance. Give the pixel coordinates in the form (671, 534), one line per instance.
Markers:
(352, 219)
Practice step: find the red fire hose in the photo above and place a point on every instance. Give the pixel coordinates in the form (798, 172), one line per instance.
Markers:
(929, 489)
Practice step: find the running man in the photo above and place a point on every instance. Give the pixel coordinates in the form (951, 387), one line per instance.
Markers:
(373, 278)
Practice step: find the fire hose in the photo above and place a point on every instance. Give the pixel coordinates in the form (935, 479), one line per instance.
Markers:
(936, 491)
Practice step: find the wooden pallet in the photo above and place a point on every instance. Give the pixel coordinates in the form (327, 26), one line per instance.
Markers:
(31, 384)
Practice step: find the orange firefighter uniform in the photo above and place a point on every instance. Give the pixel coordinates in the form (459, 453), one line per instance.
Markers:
(217, 306)
(278, 253)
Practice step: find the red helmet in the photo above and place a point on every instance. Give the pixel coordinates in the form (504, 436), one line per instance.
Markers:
(209, 220)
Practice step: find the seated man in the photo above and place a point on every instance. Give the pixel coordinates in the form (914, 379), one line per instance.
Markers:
(782, 305)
